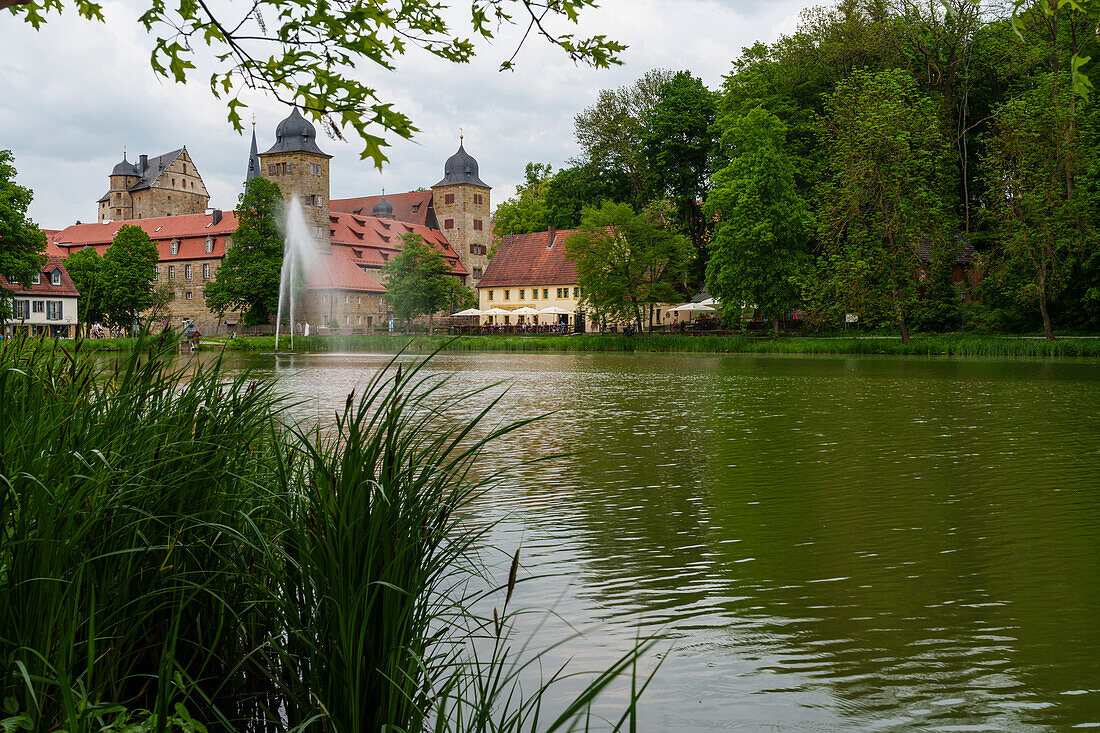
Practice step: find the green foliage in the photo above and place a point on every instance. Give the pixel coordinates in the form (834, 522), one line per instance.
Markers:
(175, 549)
(572, 189)
(248, 277)
(759, 253)
(1034, 156)
(21, 243)
(129, 267)
(86, 270)
(526, 212)
(627, 263)
(300, 52)
(884, 203)
(418, 282)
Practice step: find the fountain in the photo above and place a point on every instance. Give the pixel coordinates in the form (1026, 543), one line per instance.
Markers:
(299, 256)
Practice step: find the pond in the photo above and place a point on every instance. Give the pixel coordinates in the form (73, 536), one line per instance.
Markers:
(826, 543)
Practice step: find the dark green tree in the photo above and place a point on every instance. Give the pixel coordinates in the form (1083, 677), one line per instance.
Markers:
(21, 243)
(418, 283)
(627, 263)
(885, 201)
(760, 250)
(679, 146)
(129, 266)
(248, 278)
(526, 211)
(86, 270)
(572, 189)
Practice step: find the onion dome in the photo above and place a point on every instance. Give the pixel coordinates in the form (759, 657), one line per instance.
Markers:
(460, 168)
(124, 168)
(296, 134)
(383, 209)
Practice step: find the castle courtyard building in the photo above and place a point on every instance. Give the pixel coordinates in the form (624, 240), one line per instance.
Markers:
(164, 185)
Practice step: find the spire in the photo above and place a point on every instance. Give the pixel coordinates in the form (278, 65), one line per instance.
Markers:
(254, 156)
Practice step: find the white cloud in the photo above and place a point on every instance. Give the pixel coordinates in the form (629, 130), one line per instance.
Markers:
(77, 92)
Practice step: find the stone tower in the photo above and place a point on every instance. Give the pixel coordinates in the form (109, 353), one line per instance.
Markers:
(119, 204)
(164, 185)
(461, 202)
(300, 167)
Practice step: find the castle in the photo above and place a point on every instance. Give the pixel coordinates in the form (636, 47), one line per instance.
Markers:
(166, 197)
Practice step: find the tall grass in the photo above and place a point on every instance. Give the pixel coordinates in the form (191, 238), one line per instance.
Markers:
(173, 549)
(922, 345)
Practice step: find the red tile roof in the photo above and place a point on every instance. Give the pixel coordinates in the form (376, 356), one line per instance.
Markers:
(531, 259)
(411, 207)
(191, 229)
(66, 288)
(334, 271)
(372, 242)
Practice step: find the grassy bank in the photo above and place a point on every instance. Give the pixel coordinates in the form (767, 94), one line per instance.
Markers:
(922, 345)
(176, 553)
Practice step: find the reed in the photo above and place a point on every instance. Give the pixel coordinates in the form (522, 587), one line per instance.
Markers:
(175, 549)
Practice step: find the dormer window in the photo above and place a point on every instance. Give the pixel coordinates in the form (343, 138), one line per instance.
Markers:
(209, 245)
(158, 229)
(37, 278)
(55, 276)
(175, 246)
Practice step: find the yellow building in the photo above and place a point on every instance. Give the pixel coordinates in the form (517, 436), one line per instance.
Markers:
(532, 271)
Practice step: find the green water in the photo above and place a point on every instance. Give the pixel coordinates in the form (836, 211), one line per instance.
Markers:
(828, 543)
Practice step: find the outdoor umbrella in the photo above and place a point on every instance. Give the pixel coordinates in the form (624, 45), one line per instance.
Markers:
(554, 311)
(689, 307)
(496, 312)
(468, 312)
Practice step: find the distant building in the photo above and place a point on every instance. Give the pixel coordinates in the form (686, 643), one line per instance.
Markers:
(48, 306)
(532, 270)
(165, 185)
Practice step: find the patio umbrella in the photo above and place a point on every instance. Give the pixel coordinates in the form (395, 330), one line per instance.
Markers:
(554, 311)
(496, 312)
(525, 311)
(468, 312)
(693, 307)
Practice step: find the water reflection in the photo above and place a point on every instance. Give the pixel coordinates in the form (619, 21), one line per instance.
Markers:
(832, 543)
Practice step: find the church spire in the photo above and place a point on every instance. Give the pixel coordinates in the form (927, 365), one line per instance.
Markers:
(254, 156)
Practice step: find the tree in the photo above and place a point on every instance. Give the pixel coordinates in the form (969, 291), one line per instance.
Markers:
(1033, 156)
(759, 253)
(248, 278)
(626, 262)
(679, 149)
(418, 282)
(22, 245)
(129, 265)
(86, 269)
(309, 54)
(611, 131)
(526, 212)
(571, 189)
(885, 200)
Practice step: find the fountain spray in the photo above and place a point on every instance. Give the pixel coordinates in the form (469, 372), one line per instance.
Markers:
(299, 257)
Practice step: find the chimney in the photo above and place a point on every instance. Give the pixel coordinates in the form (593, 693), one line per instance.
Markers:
(216, 216)
(550, 237)
(144, 164)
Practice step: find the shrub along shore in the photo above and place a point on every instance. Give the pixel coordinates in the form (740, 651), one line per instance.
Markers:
(926, 345)
(177, 553)
(922, 345)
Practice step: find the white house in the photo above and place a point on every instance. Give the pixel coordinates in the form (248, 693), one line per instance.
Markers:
(48, 307)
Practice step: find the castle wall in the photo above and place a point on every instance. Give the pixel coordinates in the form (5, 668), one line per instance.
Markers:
(465, 223)
(350, 310)
(307, 175)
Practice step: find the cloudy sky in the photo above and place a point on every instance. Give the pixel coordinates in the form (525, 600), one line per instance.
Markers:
(77, 92)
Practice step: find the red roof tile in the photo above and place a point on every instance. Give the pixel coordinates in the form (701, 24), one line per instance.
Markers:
(411, 207)
(66, 288)
(191, 229)
(531, 259)
(372, 242)
(334, 271)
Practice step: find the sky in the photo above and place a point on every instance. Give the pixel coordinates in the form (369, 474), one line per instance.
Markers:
(76, 93)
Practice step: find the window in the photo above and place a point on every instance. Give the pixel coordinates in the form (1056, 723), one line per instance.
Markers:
(506, 317)
(187, 295)
(271, 169)
(370, 321)
(347, 319)
(55, 277)
(473, 249)
(184, 167)
(490, 294)
(317, 232)
(477, 198)
(38, 306)
(566, 295)
(546, 293)
(359, 320)
(534, 293)
(576, 292)
(522, 294)
(209, 245)
(37, 279)
(228, 243)
(449, 198)
(477, 273)
(187, 272)
(358, 300)
(53, 310)
(507, 294)
(477, 225)
(324, 298)
(22, 309)
(156, 273)
(206, 271)
(171, 272)
(315, 168)
(173, 182)
(347, 299)
(175, 246)
(449, 224)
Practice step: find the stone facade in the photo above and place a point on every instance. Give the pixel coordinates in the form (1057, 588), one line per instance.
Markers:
(305, 175)
(351, 311)
(188, 280)
(462, 211)
(144, 189)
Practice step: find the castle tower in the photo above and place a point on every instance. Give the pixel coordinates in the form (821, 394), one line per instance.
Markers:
(461, 202)
(253, 157)
(118, 204)
(383, 209)
(300, 167)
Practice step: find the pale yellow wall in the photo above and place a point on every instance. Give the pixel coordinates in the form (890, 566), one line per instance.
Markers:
(514, 301)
